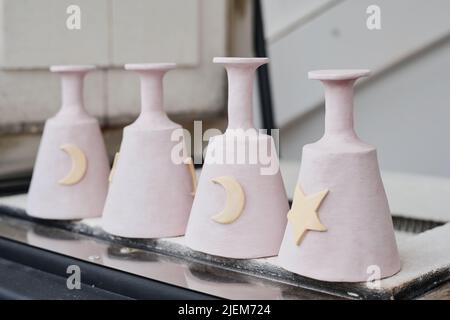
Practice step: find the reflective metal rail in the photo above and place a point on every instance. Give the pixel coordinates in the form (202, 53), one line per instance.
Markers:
(170, 262)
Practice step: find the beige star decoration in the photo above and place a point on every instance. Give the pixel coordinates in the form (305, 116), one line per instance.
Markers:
(303, 215)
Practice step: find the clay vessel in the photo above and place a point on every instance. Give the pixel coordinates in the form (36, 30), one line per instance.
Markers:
(358, 243)
(151, 190)
(240, 207)
(70, 177)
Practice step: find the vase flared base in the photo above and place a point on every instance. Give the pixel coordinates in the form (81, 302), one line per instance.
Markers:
(150, 195)
(256, 230)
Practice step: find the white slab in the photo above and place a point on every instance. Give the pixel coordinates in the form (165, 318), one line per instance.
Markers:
(34, 33)
(188, 90)
(34, 96)
(162, 30)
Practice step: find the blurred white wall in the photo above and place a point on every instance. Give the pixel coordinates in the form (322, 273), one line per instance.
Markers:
(403, 109)
(34, 36)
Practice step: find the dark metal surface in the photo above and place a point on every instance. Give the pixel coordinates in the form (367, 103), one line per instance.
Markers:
(415, 226)
(16, 184)
(265, 92)
(148, 259)
(19, 282)
(32, 273)
(172, 263)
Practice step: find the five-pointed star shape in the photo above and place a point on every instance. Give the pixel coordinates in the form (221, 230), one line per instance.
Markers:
(303, 214)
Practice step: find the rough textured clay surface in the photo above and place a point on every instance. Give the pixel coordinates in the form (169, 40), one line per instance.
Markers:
(49, 197)
(258, 230)
(356, 213)
(150, 195)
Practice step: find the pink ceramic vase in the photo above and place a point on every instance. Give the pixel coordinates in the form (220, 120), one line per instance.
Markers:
(151, 194)
(357, 239)
(70, 177)
(240, 208)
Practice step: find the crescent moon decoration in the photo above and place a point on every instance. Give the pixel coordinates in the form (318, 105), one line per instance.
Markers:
(190, 163)
(235, 201)
(79, 165)
(113, 169)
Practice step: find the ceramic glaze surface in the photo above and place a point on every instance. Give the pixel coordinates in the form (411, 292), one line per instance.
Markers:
(360, 234)
(72, 126)
(257, 230)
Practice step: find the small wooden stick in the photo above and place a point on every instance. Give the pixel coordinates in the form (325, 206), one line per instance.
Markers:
(190, 163)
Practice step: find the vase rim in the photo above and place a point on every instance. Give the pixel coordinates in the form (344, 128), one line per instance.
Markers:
(338, 74)
(240, 60)
(150, 66)
(72, 68)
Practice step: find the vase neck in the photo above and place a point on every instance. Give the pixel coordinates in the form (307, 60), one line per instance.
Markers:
(241, 73)
(240, 96)
(339, 109)
(152, 115)
(72, 94)
(152, 101)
